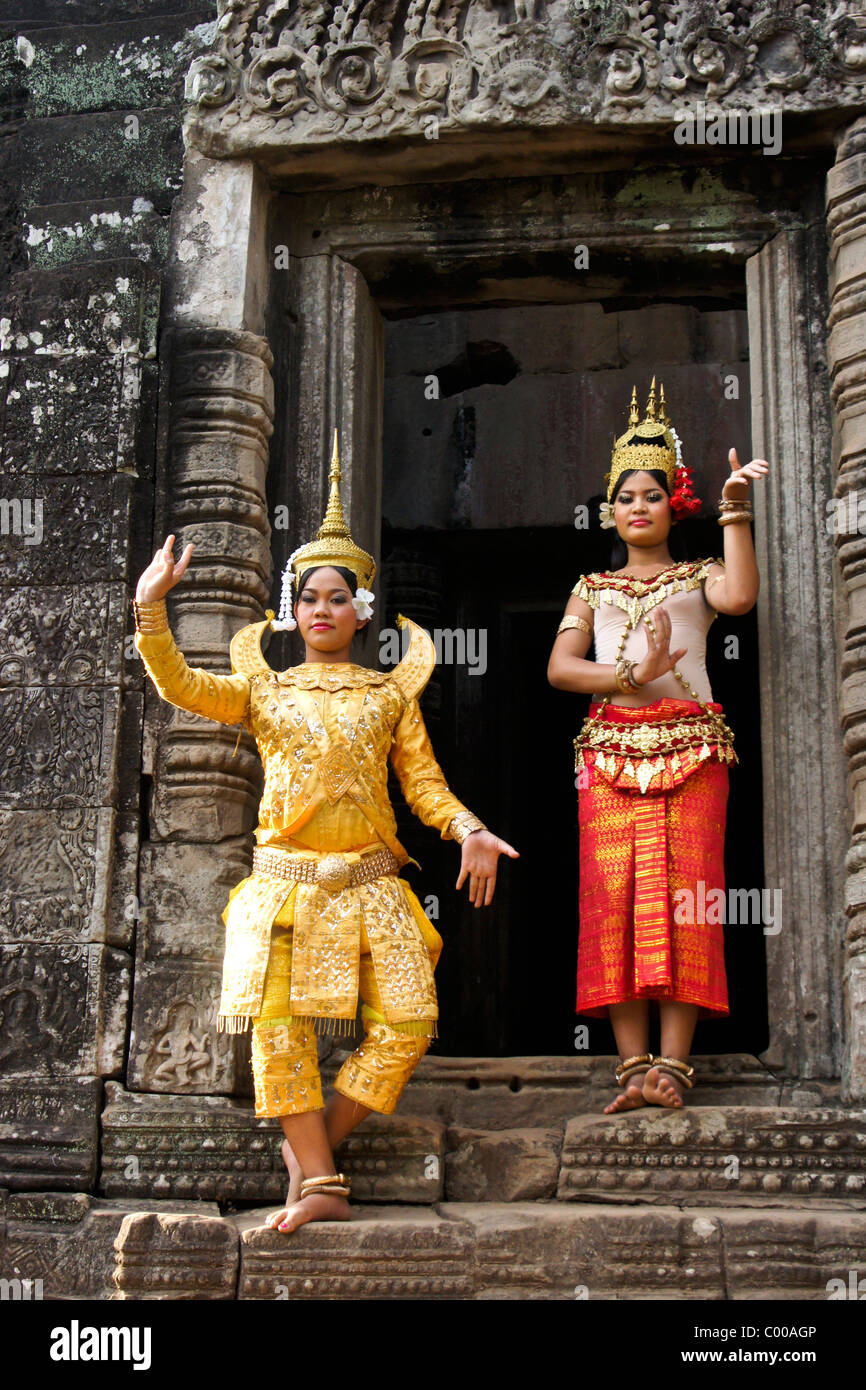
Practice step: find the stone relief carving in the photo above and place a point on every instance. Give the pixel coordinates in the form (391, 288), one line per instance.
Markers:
(298, 71)
(45, 998)
(183, 1052)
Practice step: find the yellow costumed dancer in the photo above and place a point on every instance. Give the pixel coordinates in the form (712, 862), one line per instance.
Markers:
(324, 916)
(653, 760)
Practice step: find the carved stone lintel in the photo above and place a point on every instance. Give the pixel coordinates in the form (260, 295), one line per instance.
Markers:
(344, 76)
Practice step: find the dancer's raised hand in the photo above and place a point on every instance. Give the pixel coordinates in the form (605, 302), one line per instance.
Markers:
(659, 658)
(736, 487)
(162, 573)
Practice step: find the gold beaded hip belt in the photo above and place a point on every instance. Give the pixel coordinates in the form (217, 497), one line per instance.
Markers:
(653, 747)
(332, 871)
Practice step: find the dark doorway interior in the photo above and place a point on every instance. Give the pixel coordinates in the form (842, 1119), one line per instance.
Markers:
(507, 974)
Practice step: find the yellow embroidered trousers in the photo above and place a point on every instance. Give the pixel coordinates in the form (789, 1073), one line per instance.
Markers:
(284, 1055)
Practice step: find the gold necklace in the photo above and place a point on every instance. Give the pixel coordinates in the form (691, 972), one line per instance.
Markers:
(723, 732)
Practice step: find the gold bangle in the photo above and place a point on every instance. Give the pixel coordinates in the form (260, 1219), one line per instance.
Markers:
(644, 1058)
(150, 617)
(674, 1067)
(333, 1185)
(463, 825)
(736, 518)
(623, 670)
(572, 620)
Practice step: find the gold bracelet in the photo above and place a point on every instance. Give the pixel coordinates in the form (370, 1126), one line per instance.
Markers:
(150, 617)
(623, 670)
(572, 620)
(736, 518)
(463, 825)
(727, 504)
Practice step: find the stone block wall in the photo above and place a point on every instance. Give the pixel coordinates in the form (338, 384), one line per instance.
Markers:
(91, 162)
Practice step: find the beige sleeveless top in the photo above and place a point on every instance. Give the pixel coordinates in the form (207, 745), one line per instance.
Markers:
(680, 588)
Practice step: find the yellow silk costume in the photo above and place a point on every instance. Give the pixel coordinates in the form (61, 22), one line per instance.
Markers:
(297, 953)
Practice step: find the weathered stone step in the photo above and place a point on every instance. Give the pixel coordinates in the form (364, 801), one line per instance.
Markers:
(82, 1247)
(554, 1251)
(213, 1148)
(533, 1092)
(49, 1136)
(705, 1154)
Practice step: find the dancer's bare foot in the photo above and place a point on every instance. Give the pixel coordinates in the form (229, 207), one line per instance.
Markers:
(632, 1098)
(661, 1088)
(296, 1177)
(316, 1207)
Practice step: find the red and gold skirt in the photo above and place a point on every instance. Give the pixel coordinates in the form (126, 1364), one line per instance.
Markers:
(640, 847)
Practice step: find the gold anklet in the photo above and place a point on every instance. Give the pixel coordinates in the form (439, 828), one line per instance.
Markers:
(631, 1065)
(673, 1067)
(331, 1185)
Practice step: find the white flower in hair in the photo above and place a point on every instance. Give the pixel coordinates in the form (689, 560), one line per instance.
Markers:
(605, 512)
(363, 603)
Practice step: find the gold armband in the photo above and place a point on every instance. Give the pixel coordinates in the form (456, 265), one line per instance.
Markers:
(463, 825)
(572, 620)
(150, 617)
(736, 518)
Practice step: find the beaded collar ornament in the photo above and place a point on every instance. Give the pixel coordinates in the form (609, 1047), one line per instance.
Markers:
(651, 443)
(333, 546)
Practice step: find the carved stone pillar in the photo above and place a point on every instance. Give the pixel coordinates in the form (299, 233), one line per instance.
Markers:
(846, 218)
(802, 765)
(217, 411)
(221, 418)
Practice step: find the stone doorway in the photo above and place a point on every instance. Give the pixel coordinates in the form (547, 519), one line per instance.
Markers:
(323, 278)
(358, 263)
(496, 427)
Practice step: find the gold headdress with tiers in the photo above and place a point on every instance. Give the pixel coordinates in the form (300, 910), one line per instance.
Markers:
(648, 443)
(333, 546)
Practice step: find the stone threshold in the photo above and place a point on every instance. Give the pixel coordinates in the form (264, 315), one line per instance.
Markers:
(82, 1247)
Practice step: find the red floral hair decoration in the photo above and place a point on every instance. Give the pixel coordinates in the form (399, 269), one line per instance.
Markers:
(683, 499)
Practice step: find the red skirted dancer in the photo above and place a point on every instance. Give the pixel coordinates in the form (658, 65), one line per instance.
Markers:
(653, 764)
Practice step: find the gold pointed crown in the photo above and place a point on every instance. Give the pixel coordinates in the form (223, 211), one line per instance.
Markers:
(648, 443)
(333, 544)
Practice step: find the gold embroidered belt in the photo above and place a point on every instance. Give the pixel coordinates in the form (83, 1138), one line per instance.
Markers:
(332, 872)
